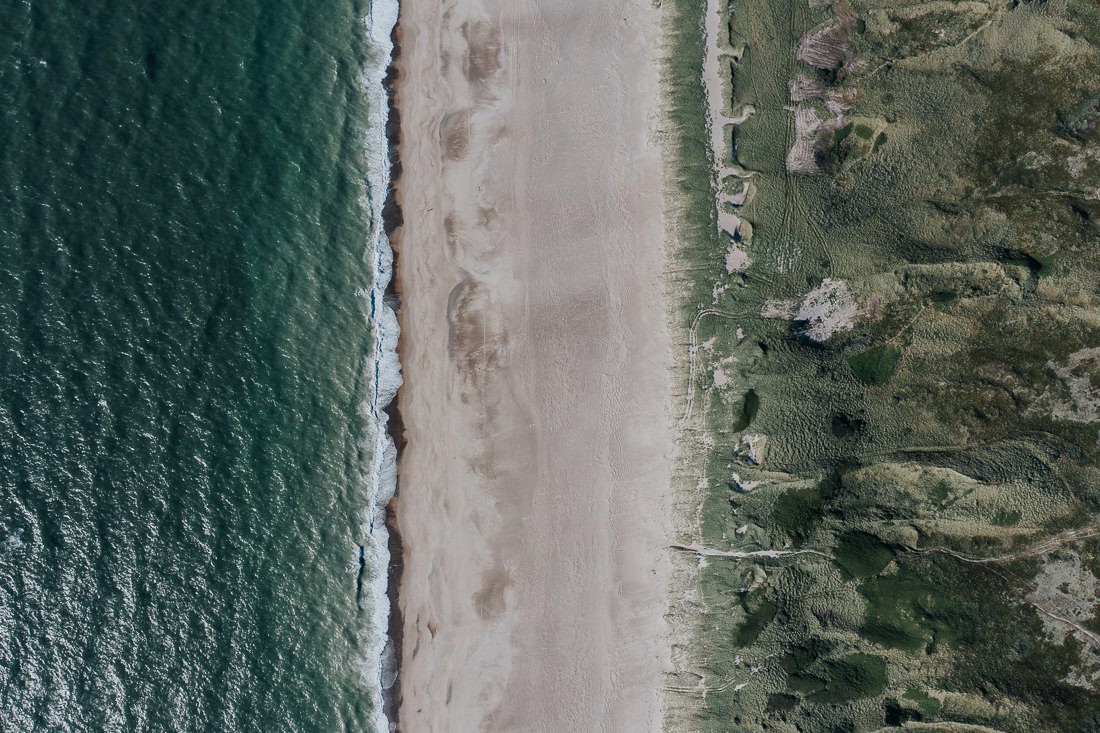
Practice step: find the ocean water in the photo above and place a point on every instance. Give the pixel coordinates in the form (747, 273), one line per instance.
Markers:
(195, 353)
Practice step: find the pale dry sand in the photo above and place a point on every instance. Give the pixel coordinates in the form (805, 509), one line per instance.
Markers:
(534, 487)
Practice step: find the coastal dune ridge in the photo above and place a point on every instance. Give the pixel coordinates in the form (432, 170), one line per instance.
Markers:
(535, 473)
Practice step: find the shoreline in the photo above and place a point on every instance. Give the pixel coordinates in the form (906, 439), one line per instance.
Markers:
(379, 550)
(498, 510)
(395, 426)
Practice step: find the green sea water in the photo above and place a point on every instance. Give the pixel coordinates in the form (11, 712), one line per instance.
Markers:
(185, 360)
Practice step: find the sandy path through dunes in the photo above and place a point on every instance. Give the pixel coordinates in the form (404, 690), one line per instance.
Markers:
(534, 484)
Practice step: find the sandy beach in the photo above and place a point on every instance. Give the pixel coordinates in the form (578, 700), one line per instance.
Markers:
(534, 484)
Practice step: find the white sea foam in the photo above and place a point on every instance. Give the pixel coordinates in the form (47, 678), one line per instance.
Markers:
(385, 370)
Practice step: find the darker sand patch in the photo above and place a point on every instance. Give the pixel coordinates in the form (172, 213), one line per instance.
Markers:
(483, 50)
(454, 134)
(489, 601)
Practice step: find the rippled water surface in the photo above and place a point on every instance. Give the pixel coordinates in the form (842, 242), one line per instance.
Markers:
(183, 256)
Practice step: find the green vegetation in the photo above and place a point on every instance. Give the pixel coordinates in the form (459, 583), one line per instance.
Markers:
(951, 416)
(1046, 265)
(875, 366)
(905, 611)
(805, 684)
(779, 701)
(747, 411)
(837, 152)
(1006, 518)
(929, 706)
(685, 107)
(798, 512)
(862, 555)
(758, 616)
(852, 677)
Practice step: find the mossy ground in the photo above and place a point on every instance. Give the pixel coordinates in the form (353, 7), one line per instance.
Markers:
(923, 466)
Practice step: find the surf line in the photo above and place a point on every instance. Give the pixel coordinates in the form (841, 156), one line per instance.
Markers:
(381, 557)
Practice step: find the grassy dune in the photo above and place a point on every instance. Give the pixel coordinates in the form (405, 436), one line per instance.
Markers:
(906, 380)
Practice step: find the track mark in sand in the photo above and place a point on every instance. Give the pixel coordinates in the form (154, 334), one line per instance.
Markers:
(751, 554)
(1044, 547)
(693, 357)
